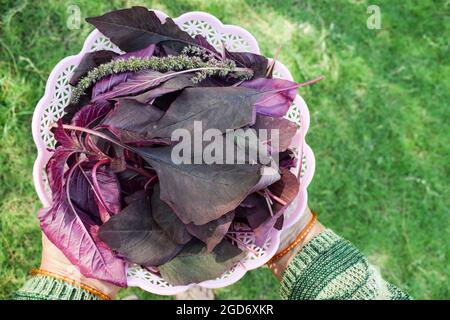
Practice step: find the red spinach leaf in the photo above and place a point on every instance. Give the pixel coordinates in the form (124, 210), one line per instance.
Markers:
(164, 216)
(213, 232)
(202, 42)
(135, 235)
(65, 138)
(286, 130)
(132, 115)
(195, 264)
(218, 108)
(276, 95)
(137, 27)
(91, 113)
(285, 189)
(187, 188)
(107, 189)
(256, 62)
(69, 227)
(172, 85)
(82, 193)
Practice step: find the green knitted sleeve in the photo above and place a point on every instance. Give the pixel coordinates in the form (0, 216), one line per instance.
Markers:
(41, 287)
(329, 267)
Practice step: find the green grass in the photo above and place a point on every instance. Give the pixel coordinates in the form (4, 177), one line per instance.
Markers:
(379, 124)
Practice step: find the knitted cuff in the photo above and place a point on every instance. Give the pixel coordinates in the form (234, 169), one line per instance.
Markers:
(330, 267)
(41, 287)
(314, 248)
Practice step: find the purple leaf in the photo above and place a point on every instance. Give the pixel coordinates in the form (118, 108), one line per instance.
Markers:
(108, 83)
(165, 51)
(262, 232)
(140, 140)
(255, 207)
(187, 188)
(172, 85)
(249, 60)
(55, 171)
(168, 220)
(219, 108)
(91, 113)
(82, 193)
(202, 42)
(195, 264)
(129, 121)
(146, 52)
(99, 202)
(135, 235)
(132, 115)
(65, 138)
(269, 175)
(285, 131)
(118, 161)
(69, 228)
(74, 107)
(256, 210)
(137, 27)
(276, 95)
(262, 223)
(287, 159)
(286, 189)
(254, 204)
(213, 232)
(131, 182)
(108, 190)
(138, 195)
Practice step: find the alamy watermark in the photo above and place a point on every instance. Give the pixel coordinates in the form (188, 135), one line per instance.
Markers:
(212, 146)
(73, 21)
(374, 20)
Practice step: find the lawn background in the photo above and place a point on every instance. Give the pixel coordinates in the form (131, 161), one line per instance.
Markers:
(379, 124)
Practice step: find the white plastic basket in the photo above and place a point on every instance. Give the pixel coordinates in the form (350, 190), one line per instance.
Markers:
(57, 94)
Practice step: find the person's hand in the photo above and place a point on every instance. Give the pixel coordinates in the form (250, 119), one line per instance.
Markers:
(288, 236)
(55, 261)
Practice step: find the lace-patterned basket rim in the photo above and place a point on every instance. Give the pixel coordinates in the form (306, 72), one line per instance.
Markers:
(57, 93)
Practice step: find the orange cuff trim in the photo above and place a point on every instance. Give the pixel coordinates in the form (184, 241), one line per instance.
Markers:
(89, 289)
(301, 236)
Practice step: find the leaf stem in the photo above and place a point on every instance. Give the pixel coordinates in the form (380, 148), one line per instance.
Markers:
(76, 214)
(98, 134)
(91, 184)
(140, 171)
(271, 67)
(295, 86)
(97, 186)
(149, 181)
(277, 199)
(307, 83)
